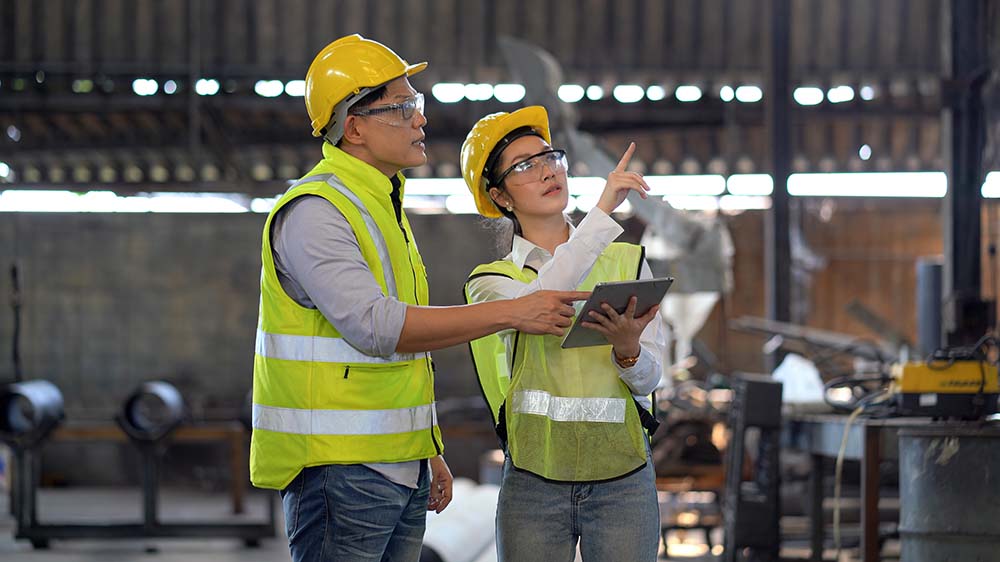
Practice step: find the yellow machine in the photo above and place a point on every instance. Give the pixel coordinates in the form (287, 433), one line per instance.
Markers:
(945, 388)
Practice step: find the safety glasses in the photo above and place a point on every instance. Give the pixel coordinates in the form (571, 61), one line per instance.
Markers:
(533, 168)
(396, 114)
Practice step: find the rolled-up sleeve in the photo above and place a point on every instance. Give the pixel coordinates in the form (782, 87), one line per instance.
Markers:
(570, 264)
(320, 265)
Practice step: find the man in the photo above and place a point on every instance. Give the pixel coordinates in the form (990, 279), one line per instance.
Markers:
(343, 398)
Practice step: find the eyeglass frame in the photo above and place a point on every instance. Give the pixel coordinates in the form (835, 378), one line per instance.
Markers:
(418, 105)
(510, 169)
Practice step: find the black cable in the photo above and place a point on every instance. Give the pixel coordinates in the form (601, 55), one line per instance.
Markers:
(15, 303)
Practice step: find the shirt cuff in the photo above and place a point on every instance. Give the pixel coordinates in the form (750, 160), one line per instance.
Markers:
(642, 377)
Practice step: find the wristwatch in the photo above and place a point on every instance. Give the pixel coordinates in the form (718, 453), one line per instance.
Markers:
(625, 362)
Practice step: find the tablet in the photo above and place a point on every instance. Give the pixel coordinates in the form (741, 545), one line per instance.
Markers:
(649, 292)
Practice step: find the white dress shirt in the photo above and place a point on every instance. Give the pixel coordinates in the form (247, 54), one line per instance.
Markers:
(564, 271)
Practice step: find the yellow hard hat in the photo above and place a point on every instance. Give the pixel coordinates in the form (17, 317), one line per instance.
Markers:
(483, 137)
(344, 71)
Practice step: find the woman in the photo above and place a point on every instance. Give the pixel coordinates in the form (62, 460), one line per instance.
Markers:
(577, 464)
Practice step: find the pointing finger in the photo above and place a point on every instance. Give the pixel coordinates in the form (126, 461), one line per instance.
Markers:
(626, 158)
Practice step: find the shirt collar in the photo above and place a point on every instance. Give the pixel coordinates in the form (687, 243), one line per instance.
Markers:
(527, 253)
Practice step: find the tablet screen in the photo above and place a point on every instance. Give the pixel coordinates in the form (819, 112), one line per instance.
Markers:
(649, 292)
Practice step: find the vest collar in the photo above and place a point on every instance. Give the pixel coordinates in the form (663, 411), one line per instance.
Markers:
(358, 174)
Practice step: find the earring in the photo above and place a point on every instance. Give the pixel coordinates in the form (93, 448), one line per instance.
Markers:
(510, 209)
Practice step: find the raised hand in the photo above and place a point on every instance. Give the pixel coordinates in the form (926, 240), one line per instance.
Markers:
(620, 182)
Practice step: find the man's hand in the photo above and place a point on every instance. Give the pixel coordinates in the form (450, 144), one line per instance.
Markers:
(441, 481)
(545, 312)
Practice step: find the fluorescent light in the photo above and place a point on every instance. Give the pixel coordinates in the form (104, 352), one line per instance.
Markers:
(145, 86)
(435, 186)
(296, 88)
(269, 88)
(206, 87)
(169, 87)
(687, 92)
(724, 203)
(570, 93)
(263, 204)
(462, 204)
(478, 92)
(448, 92)
(85, 86)
(749, 94)
(708, 184)
(108, 202)
(840, 94)
(726, 93)
(991, 187)
(508, 93)
(656, 92)
(750, 184)
(594, 92)
(628, 93)
(867, 93)
(808, 95)
(870, 184)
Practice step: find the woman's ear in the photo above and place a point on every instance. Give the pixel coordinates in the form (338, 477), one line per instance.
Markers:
(499, 197)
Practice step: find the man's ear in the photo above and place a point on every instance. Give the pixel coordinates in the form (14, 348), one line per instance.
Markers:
(353, 130)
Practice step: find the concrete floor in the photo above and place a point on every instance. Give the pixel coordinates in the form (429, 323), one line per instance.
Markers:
(115, 505)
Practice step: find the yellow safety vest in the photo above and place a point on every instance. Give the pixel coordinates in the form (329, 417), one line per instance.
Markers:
(316, 399)
(567, 414)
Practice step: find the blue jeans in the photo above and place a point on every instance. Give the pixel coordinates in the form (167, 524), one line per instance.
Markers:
(540, 520)
(348, 513)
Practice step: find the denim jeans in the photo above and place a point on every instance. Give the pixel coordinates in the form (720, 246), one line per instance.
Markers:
(348, 513)
(540, 520)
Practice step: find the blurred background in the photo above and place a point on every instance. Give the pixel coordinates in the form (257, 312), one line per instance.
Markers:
(820, 167)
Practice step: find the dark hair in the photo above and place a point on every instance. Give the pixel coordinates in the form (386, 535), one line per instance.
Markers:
(491, 169)
(371, 97)
(367, 100)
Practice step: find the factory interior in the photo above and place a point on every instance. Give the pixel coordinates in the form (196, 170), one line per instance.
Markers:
(823, 188)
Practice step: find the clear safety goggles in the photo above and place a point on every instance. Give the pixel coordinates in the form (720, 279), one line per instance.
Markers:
(533, 168)
(396, 114)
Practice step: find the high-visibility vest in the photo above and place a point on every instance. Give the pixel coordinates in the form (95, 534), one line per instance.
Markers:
(566, 414)
(316, 399)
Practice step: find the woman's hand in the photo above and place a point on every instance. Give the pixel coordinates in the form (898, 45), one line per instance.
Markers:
(441, 482)
(620, 182)
(622, 330)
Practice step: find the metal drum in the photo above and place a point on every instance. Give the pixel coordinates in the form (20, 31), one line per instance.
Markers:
(949, 486)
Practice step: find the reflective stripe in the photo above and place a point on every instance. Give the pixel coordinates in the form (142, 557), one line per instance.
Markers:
(344, 422)
(320, 349)
(373, 230)
(561, 408)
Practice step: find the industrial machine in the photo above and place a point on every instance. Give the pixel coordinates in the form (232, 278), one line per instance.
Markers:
(949, 388)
